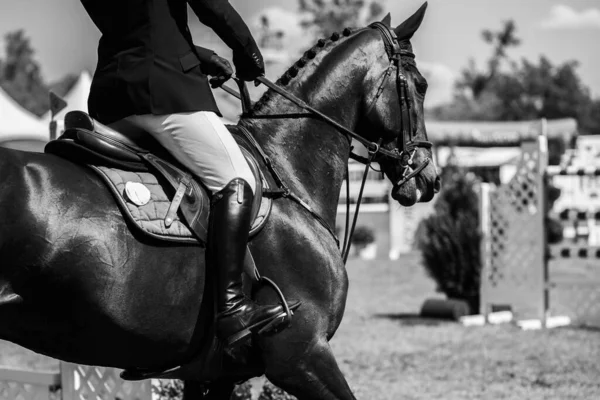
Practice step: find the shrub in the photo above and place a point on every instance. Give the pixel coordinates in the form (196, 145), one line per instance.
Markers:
(242, 392)
(363, 236)
(449, 239)
(272, 392)
(168, 389)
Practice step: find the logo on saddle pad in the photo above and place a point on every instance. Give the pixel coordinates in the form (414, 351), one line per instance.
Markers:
(137, 193)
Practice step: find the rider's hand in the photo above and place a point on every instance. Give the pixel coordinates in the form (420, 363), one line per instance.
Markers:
(249, 64)
(220, 70)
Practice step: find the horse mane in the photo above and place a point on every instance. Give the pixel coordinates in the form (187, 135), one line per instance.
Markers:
(310, 54)
(296, 67)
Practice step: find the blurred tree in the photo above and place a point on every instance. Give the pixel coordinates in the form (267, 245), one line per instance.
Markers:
(328, 16)
(267, 36)
(520, 90)
(20, 74)
(476, 81)
(589, 120)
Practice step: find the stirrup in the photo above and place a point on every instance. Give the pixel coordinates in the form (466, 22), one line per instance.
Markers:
(273, 325)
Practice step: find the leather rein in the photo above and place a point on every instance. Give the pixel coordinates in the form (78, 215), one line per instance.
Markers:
(408, 144)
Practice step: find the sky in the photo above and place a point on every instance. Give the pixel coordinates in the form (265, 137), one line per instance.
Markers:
(65, 39)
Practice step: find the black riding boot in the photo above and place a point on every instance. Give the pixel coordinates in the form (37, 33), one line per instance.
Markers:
(231, 216)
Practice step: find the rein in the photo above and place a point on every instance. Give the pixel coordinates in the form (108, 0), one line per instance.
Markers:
(318, 114)
(408, 144)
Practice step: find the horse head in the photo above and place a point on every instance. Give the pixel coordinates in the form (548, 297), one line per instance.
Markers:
(367, 82)
(394, 94)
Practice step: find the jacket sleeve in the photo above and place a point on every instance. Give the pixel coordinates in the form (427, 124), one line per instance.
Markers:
(204, 54)
(222, 18)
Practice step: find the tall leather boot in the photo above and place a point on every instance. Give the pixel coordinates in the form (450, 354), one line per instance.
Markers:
(237, 316)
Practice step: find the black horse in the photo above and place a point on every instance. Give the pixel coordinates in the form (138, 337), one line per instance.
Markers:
(76, 283)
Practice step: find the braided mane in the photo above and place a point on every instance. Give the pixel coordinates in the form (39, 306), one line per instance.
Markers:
(310, 54)
(293, 71)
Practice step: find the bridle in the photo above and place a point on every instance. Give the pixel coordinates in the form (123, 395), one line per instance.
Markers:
(408, 144)
(406, 138)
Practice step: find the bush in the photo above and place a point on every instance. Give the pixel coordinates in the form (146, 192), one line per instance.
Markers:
(168, 389)
(272, 392)
(242, 392)
(363, 236)
(449, 239)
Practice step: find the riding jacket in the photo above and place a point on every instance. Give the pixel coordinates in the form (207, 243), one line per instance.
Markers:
(147, 62)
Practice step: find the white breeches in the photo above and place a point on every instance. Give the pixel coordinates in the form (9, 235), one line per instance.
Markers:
(202, 143)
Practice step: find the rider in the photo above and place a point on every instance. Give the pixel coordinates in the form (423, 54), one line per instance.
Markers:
(150, 75)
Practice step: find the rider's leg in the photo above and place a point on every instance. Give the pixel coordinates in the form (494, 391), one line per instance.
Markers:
(202, 143)
(229, 227)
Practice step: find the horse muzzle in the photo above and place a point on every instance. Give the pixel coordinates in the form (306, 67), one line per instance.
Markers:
(419, 185)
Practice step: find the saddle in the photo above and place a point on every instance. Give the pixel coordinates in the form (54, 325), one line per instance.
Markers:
(153, 190)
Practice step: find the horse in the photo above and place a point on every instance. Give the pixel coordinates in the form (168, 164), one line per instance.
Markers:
(78, 284)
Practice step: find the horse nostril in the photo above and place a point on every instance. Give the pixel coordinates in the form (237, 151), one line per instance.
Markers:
(437, 185)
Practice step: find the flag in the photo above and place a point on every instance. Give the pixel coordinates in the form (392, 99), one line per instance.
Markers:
(56, 104)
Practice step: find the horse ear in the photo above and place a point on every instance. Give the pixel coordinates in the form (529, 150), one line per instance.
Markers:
(387, 20)
(406, 30)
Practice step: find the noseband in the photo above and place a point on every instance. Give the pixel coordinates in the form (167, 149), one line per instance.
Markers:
(406, 138)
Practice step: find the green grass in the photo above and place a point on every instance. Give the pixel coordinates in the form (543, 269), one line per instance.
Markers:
(387, 352)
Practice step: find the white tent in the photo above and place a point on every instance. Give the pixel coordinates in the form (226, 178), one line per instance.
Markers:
(18, 124)
(76, 98)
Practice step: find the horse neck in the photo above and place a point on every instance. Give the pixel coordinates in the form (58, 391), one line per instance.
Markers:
(310, 155)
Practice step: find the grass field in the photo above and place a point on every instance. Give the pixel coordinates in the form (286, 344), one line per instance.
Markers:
(388, 353)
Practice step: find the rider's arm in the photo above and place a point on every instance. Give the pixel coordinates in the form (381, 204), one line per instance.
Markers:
(225, 21)
(204, 54)
(231, 28)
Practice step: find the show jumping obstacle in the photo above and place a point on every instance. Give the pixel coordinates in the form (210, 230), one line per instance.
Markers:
(587, 220)
(73, 382)
(517, 271)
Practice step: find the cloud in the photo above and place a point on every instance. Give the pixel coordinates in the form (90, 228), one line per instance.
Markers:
(565, 17)
(441, 83)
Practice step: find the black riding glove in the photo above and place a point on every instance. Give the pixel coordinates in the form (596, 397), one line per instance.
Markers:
(249, 64)
(219, 68)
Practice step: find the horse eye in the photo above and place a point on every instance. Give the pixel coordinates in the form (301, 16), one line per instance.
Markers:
(421, 87)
